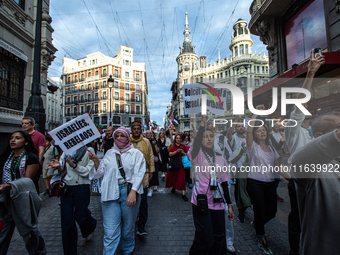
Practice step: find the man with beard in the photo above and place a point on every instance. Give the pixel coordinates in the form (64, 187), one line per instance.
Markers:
(238, 145)
(108, 142)
(143, 145)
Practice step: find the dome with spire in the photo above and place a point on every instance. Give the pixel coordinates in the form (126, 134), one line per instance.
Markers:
(187, 46)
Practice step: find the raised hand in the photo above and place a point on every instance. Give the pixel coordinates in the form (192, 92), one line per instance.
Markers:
(260, 107)
(315, 63)
(92, 156)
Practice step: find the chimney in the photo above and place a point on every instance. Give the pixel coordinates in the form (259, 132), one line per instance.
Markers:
(203, 61)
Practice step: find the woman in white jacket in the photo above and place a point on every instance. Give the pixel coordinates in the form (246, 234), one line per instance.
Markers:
(119, 207)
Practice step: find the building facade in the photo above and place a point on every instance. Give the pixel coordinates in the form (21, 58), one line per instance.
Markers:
(53, 103)
(244, 69)
(17, 36)
(291, 29)
(85, 87)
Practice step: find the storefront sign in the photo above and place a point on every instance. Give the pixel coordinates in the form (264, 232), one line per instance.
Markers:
(13, 50)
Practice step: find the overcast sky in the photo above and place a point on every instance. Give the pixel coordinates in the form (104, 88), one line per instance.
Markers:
(154, 28)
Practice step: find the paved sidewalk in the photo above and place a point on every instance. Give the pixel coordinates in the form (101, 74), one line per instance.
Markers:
(170, 228)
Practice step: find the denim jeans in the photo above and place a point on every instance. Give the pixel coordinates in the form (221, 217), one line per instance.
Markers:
(34, 241)
(143, 209)
(263, 198)
(229, 227)
(74, 209)
(119, 223)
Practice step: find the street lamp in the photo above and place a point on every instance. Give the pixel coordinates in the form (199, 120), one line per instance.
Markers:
(110, 82)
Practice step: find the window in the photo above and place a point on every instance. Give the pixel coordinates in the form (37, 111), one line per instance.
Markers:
(104, 95)
(96, 72)
(262, 69)
(187, 124)
(104, 120)
(82, 87)
(89, 86)
(84, 62)
(68, 100)
(75, 100)
(185, 81)
(96, 85)
(116, 108)
(213, 77)
(89, 74)
(137, 98)
(137, 88)
(116, 84)
(257, 82)
(137, 109)
(74, 111)
(68, 80)
(137, 77)
(76, 78)
(96, 96)
(127, 108)
(82, 77)
(88, 97)
(21, 3)
(82, 99)
(247, 49)
(201, 79)
(127, 97)
(228, 101)
(116, 73)
(93, 61)
(127, 62)
(267, 69)
(221, 75)
(96, 109)
(236, 51)
(116, 96)
(104, 84)
(241, 49)
(209, 78)
(104, 107)
(88, 108)
(104, 72)
(218, 76)
(187, 67)
(258, 69)
(96, 120)
(197, 80)
(127, 86)
(116, 120)
(126, 74)
(68, 112)
(81, 109)
(265, 81)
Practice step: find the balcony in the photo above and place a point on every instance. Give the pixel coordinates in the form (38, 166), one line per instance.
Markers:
(96, 88)
(82, 79)
(104, 75)
(96, 99)
(116, 98)
(138, 112)
(121, 99)
(103, 111)
(122, 87)
(104, 86)
(82, 101)
(88, 89)
(104, 97)
(68, 114)
(68, 103)
(132, 112)
(75, 114)
(75, 80)
(88, 100)
(95, 112)
(81, 90)
(68, 92)
(116, 75)
(127, 99)
(116, 111)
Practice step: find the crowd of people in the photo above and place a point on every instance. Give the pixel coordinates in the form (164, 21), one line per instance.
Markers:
(134, 163)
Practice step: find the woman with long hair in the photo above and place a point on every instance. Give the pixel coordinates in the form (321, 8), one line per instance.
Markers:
(261, 183)
(210, 194)
(154, 182)
(176, 179)
(20, 160)
(120, 206)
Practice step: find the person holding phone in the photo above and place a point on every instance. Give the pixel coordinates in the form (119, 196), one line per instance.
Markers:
(119, 207)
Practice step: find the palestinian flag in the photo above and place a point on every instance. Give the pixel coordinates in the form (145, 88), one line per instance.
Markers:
(99, 127)
(154, 126)
(174, 121)
(149, 122)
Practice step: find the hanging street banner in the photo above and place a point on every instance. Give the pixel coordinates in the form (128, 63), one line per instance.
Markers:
(75, 133)
(215, 98)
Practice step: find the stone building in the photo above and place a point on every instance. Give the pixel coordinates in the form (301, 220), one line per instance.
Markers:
(85, 87)
(53, 103)
(243, 68)
(17, 36)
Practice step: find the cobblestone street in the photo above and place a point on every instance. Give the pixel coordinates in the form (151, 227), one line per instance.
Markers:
(170, 228)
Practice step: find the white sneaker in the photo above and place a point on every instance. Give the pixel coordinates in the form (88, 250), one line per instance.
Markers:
(231, 249)
(154, 188)
(150, 192)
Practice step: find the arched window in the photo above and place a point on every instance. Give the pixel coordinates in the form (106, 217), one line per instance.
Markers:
(187, 67)
(241, 49)
(236, 51)
(247, 49)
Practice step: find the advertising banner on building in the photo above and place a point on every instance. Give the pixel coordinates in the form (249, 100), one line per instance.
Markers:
(75, 133)
(215, 98)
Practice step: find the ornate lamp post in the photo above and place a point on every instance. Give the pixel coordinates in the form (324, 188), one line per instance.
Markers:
(35, 107)
(110, 82)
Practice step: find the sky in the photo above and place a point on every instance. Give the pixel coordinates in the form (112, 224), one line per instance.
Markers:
(153, 28)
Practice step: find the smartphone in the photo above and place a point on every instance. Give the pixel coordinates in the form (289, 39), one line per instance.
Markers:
(317, 52)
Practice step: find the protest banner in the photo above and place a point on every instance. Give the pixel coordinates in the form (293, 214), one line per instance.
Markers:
(75, 133)
(193, 94)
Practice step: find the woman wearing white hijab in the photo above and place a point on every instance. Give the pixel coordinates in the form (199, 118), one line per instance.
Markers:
(119, 208)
